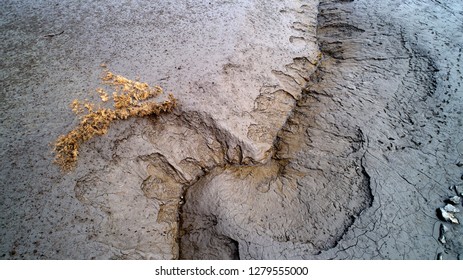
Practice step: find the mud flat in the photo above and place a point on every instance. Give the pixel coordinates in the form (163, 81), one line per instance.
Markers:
(307, 130)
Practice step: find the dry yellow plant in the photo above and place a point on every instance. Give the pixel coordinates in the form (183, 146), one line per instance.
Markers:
(130, 99)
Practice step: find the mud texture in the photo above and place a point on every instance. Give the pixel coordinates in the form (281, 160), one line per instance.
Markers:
(307, 130)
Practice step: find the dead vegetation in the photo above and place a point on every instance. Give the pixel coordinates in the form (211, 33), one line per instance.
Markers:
(129, 99)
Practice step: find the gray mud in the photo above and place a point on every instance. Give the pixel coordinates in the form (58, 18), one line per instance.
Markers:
(306, 130)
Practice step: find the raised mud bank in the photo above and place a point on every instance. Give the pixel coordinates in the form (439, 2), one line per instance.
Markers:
(308, 130)
(360, 165)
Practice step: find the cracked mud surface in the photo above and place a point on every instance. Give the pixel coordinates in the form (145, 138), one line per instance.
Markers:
(333, 132)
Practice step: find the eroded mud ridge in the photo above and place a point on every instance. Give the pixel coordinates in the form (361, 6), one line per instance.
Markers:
(365, 139)
(309, 193)
(342, 151)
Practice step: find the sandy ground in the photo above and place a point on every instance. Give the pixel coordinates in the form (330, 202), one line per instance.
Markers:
(307, 129)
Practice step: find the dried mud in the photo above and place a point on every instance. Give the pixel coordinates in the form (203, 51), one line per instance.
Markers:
(334, 132)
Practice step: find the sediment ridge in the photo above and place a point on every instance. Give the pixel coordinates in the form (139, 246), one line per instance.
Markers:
(333, 133)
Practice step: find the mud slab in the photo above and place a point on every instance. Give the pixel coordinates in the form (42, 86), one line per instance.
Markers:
(307, 130)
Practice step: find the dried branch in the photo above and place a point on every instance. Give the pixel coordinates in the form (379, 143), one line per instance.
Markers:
(130, 99)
